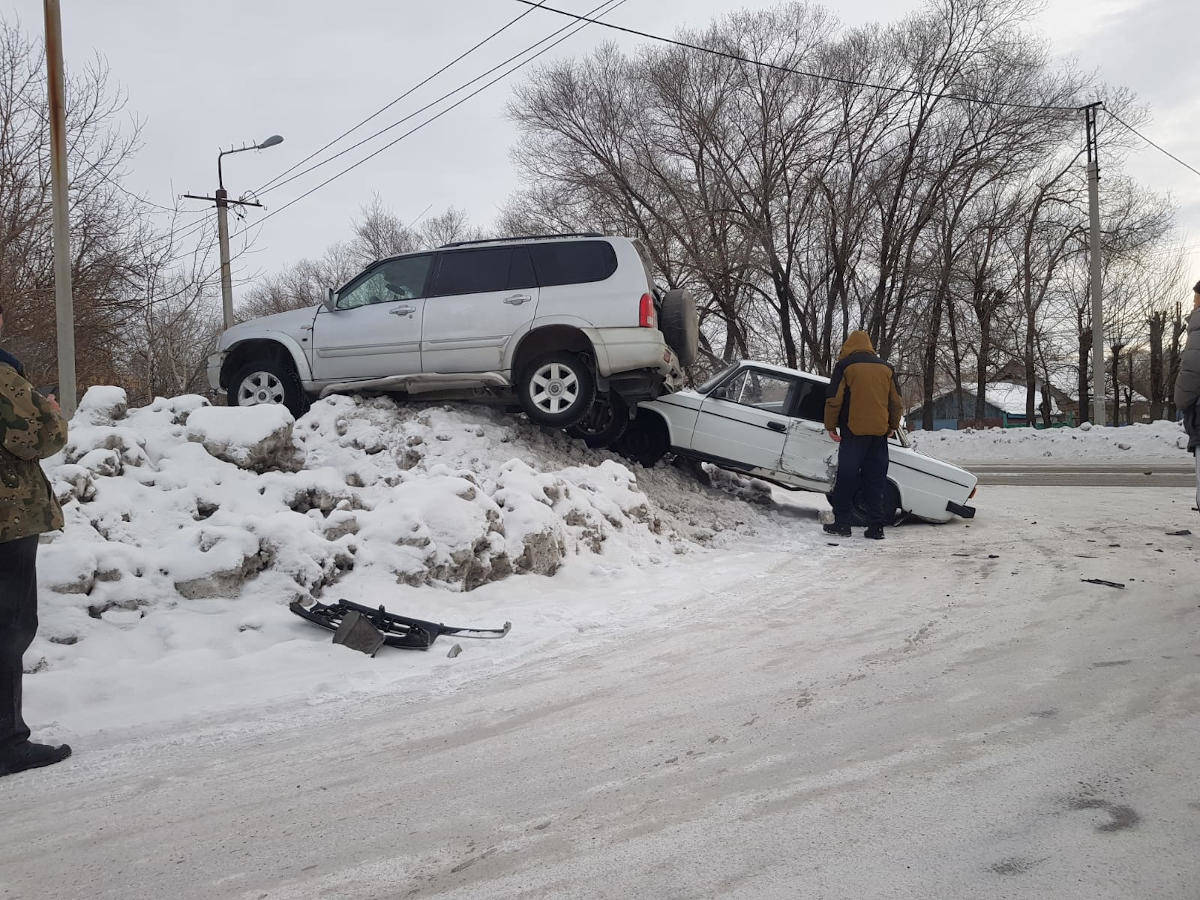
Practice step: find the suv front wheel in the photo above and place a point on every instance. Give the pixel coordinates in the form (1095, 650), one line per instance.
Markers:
(267, 381)
(556, 389)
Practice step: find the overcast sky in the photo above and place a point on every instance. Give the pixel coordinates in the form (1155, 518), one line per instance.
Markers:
(207, 75)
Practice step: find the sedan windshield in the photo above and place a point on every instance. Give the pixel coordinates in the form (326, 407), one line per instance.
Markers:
(716, 379)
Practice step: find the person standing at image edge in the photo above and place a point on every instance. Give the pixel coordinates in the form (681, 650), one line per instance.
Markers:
(862, 410)
(31, 428)
(1187, 384)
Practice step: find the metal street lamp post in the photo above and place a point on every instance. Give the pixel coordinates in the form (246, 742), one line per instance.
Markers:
(223, 203)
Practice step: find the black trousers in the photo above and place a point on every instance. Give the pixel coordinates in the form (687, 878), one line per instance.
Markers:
(862, 466)
(18, 625)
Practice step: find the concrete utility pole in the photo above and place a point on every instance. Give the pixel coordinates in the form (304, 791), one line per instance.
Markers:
(1093, 176)
(223, 203)
(64, 305)
(223, 239)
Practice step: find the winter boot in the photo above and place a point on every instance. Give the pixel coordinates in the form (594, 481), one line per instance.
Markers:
(28, 755)
(837, 530)
(875, 533)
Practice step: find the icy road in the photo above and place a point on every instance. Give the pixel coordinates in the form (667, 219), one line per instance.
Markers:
(954, 713)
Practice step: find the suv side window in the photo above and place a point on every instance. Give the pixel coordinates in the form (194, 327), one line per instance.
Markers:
(396, 279)
(762, 390)
(573, 262)
(472, 272)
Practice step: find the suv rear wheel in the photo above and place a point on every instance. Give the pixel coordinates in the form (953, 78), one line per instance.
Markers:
(263, 381)
(604, 422)
(557, 389)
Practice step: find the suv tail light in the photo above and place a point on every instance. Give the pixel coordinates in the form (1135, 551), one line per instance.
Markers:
(647, 314)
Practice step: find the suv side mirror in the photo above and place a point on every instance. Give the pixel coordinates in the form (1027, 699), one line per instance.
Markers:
(330, 300)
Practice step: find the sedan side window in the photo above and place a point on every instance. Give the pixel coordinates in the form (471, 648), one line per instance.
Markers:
(762, 390)
(396, 279)
(810, 403)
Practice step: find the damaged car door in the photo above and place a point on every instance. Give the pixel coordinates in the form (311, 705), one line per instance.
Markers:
(746, 419)
(809, 453)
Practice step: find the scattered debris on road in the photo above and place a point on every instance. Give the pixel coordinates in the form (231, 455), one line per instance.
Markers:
(1111, 584)
(1183, 532)
(345, 618)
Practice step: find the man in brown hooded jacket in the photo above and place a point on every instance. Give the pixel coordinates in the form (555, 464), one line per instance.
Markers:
(863, 408)
(31, 428)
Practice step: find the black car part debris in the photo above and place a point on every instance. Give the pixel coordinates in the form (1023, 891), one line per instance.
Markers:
(397, 630)
(357, 633)
(1111, 584)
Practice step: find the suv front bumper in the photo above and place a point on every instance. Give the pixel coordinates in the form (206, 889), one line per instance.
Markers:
(215, 362)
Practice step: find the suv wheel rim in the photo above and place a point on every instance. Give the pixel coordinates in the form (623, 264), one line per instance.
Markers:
(260, 387)
(553, 388)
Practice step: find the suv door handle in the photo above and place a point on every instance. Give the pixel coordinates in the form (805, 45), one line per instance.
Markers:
(402, 311)
(517, 299)
(814, 426)
(777, 426)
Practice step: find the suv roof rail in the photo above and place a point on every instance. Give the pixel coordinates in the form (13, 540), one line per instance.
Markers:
(523, 237)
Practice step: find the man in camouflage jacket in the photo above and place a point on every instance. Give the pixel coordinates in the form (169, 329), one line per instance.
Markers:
(31, 428)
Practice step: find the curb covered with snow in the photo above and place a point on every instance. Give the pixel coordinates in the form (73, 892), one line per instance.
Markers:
(1155, 442)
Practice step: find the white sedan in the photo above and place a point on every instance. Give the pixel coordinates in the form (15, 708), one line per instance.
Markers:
(767, 421)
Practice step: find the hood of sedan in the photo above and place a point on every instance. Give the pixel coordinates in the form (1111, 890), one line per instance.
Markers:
(906, 456)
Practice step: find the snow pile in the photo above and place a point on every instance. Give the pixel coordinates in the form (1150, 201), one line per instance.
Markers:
(1154, 442)
(190, 527)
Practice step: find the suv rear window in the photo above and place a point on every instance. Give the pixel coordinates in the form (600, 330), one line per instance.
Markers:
(471, 272)
(573, 262)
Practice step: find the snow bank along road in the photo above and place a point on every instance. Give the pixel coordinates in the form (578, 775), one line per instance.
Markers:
(1086, 474)
(950, 714)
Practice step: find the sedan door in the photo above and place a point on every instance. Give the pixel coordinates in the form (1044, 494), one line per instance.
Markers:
(479, 299)
(809, 452)
(745, 419)
(375, 329)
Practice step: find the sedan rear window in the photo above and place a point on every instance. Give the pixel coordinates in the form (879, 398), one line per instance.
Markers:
(573, 262)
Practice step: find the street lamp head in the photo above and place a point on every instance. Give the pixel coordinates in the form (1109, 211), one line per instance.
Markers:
(270, 142)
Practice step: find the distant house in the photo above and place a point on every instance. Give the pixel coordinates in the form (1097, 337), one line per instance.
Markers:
(1004, 407)
(1064, 388)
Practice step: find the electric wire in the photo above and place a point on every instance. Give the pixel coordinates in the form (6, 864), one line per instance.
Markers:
(1158, 147)
(405, 94)
(571, 29)
(430, 104)
(817, 75)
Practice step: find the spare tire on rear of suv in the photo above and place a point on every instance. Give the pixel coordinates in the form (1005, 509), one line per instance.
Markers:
(680, 325)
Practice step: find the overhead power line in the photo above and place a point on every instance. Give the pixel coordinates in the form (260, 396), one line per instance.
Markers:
(195, 227)
(820, 76)
(571, 29)
(431, 103)
(394, 101)
(1158, 147)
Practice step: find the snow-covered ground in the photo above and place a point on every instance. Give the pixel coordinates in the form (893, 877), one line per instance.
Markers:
(190, 528)
(1157, 442)
(953, 713)
(707, 696)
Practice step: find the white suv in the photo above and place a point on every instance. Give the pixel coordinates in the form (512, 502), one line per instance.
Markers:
(573, 324)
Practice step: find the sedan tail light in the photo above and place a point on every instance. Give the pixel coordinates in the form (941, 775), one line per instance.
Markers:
(647, 314)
